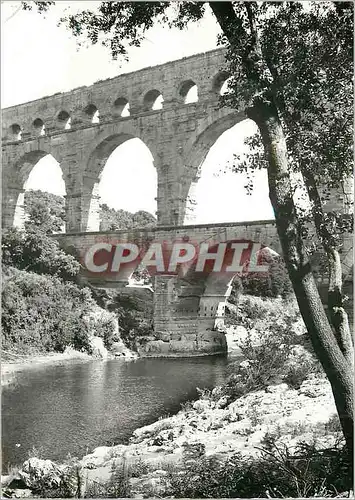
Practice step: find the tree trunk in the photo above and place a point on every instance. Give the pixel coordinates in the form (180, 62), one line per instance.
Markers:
(289, 229)
(265, 114)
(337, 313)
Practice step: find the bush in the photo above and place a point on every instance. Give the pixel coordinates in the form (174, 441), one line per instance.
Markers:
(35, 251)
(139, 468)
(43, 312)
(276, 473)
(135, 317)
(268, 348)
(118, 486)
(274, 283)
(44, 211)
(103, 324)
(112, 219)
(299, 371)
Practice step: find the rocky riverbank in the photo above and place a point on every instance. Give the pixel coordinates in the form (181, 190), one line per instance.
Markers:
(290, 415)
(222, 429)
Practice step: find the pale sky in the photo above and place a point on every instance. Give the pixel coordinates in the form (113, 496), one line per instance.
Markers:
(39, 58)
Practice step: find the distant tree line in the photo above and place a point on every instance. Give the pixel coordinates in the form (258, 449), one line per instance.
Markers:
(112, 219)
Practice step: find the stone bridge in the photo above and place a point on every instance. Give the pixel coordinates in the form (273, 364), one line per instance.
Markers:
(188, 308)
(81, 129)
(178, 135)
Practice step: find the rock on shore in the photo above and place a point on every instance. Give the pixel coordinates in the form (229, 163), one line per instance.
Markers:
(289, 414)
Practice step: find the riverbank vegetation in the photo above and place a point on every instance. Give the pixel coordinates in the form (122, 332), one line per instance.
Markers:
(45, 307)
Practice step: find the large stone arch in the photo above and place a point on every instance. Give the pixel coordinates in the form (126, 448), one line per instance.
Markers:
(213, 288)
(197, 149)
(94, 163)
(15, 177)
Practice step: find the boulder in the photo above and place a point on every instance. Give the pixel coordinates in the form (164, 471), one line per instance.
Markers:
(222, 402)
(98, 458)
(203, 404)
(37, 473)
(276, 389)
(98, 348)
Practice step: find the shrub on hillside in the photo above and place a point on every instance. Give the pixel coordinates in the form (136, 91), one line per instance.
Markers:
(262, 314)
(269, 347)
(274, 283)
(35, 251)
(43, 312)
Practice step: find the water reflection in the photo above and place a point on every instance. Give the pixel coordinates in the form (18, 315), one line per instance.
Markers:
(74, 408)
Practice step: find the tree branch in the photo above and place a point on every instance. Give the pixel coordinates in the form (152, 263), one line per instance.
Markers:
(229, 22)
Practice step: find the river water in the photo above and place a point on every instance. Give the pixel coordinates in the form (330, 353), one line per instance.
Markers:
(75, 408)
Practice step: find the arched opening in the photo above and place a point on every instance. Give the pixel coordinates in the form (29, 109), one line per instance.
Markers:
(220, 82)
(153, 100)
(39, 127)
(93, 113)
(216, 193)
(15, 132)
(121, 185)
(38, 171)
(189, 92)
(121, 107)
(64, 120)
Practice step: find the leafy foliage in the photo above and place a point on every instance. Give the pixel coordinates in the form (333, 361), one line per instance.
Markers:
(117, 486)
(103, 324)
(309, 52)
(118, 25)
(35, 251)
(43, 312)
(269, 347)
(135, 316)
(44, 211)
(274, 283)
(276, 473)
(41, 6)
(112, 219)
